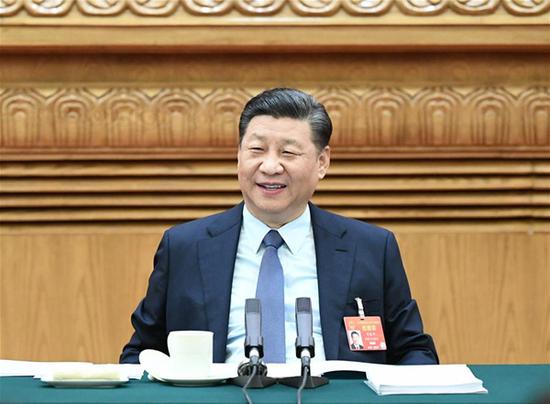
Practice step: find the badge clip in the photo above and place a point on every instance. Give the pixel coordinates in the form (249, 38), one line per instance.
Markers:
(360, 308)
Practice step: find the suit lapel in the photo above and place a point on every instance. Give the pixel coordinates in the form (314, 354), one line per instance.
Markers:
(334, 268)
(217, 261)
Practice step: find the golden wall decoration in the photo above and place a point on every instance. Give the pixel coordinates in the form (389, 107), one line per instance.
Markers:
(271, 7)
(364, 117)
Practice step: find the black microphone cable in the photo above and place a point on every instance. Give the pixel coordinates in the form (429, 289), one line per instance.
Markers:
(245, 392)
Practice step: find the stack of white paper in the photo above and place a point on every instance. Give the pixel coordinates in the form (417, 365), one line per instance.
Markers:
(422, 379)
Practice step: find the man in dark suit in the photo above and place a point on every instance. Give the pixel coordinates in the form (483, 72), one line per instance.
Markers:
(205, 269)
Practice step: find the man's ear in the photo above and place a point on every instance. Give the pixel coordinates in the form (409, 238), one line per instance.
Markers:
(324, 162)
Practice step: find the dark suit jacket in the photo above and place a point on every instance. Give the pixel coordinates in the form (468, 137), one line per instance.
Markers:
(190, 287)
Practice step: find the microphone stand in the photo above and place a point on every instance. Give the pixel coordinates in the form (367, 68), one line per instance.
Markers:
(253, 373)
(310, 382)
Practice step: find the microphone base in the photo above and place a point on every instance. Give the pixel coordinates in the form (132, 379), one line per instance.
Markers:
(257, 382)
(312, 382)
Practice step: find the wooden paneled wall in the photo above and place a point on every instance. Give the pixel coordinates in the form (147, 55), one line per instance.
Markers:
(68, 291)
(119, 119)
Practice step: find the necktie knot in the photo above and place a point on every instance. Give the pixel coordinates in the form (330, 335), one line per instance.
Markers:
(273, 239)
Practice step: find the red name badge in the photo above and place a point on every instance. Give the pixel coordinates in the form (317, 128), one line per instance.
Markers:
(365, 333)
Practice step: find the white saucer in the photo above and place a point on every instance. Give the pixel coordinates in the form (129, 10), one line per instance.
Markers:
(157, 365)
(85, 383)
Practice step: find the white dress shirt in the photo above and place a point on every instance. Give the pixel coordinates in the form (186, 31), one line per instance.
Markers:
(297, 256)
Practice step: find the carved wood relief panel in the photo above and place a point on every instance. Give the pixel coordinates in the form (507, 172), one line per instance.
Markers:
(271, 7)
(364, 117)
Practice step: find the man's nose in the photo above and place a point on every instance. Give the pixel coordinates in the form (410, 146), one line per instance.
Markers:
(271, 165)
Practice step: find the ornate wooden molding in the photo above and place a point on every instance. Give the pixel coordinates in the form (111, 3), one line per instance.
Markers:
(272, 25)
(325, 8)
(366, 119)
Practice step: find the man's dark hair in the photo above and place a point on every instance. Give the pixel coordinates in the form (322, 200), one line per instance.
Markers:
(355, 333)
(289, 103)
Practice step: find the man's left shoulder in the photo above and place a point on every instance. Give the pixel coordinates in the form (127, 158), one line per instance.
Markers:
(351, 227)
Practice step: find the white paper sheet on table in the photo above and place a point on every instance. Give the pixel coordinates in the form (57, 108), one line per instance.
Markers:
(318, 368)
(422, 379)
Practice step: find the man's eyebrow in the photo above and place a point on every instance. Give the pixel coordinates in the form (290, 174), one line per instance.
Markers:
(257, 136)
(290, 141)
(263, 137)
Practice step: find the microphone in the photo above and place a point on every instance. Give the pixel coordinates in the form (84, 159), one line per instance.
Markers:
(254, 342)
(305, 344)
(305, 349)
(253, 373)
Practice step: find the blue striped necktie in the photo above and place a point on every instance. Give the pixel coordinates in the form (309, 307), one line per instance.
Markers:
(271, 292)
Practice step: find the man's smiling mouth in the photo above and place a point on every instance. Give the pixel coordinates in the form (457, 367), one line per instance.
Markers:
(272, 186)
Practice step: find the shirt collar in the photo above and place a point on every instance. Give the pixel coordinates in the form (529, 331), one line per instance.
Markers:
(294, 233)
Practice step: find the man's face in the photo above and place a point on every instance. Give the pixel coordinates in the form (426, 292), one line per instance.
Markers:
(279, 168)
(355, 339)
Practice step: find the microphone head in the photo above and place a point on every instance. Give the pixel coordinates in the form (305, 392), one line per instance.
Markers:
(304, 327)
(253, 306)
(253, 327)
(303, 305)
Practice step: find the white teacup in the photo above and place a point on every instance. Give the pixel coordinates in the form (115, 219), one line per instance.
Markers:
(190, 352)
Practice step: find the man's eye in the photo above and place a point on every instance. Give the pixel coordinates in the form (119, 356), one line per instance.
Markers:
(255, 149)
(289, 153)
